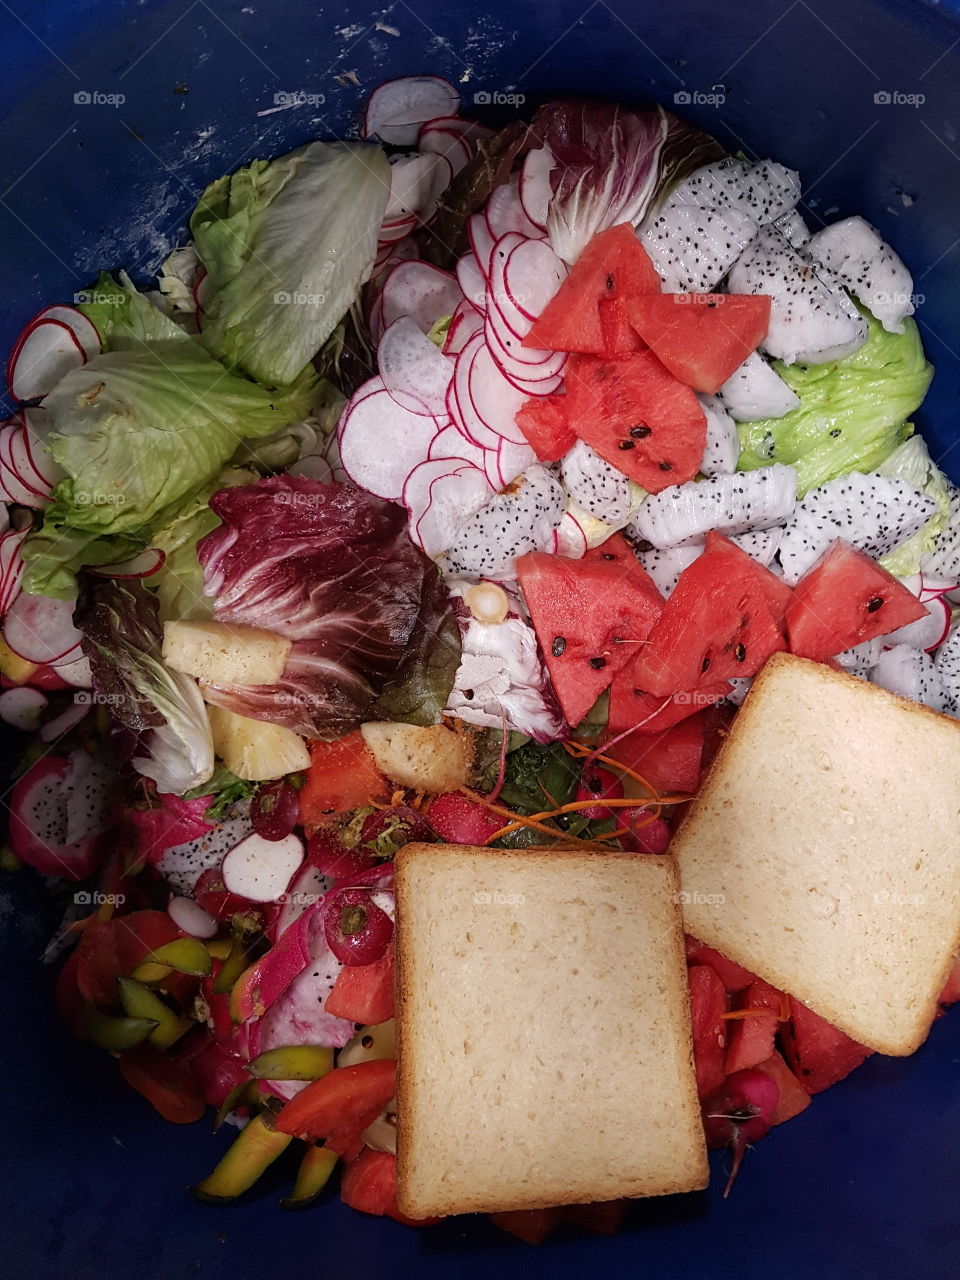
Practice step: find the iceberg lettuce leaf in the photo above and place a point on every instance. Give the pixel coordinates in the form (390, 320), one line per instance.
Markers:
(912, 462)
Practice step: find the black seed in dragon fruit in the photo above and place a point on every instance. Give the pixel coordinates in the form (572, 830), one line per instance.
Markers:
(183, 863)
(748, 500)
(948, 669)
(521, 518)
(594, 485)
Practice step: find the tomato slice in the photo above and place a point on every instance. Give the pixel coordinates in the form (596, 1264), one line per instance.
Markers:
(109, 949)
(369, 1184)
(348, 1098)
(364, 992)
(166, 1081)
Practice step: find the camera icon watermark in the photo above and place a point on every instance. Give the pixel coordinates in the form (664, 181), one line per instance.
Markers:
(95, 498)
(91, 297)
(96, 98)
(716, 97)
(298, 299)
(898, 98)
(487, 898)
(298, 98)
(94, 898)
(498, 98)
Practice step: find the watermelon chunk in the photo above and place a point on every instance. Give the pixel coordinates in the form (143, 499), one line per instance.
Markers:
(729, 558)
(614, 265)
(818, 1053)
(587, 616)
(708, 1003)
(543, 423)
(716, 625)
(620, 338)
(702, 338)
(670, 759)
(845, 599)
(364, 992)
(342, 775)
(638, 417)
(793, 1096)
(630, 705)
(733, 976)
(750, 1040)
(615, 550)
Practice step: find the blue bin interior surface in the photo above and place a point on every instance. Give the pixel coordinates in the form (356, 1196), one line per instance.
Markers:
(862, 97)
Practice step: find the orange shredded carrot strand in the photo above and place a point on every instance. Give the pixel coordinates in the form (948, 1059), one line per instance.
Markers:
(747, 1013)
(655, 797)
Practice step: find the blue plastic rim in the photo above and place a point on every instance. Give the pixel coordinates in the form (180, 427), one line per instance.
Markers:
(116, 113)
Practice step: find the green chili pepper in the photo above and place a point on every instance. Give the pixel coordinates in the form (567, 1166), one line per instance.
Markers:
(293, 1062)
(317, 1165)
(140, 1002)
(251, 1153)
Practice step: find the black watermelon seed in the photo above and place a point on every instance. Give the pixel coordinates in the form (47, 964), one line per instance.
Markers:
(598, 663)
(608, 555)
(740, 653)
(640, 431)
(874, 604)
(626, 444)
(704, 665)
(609, 283)
(558, 646)
(666, 466)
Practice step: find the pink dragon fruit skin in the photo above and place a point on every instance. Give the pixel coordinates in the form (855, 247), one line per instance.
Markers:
(60, 815)
(167, 822)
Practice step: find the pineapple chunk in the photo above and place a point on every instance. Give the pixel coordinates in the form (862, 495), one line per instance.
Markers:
(223, 653)
(255, 749)
(432, 759)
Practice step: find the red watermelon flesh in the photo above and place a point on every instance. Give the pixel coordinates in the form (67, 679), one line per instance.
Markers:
(716, 625)
(708, 1004)
(750, 1040)
(543, 422)
(668, 760)
(731, 558)
(620, 338)
(793, 1097)
(845, 599)
(587, 616)
(702, 338)
(818, 1053)
(733, 976)
(613, 265)
(632, 706)
(616, 550)
(638, 417)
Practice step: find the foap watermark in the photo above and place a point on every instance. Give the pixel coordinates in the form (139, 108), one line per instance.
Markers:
(98, 498)
(911, 300)
(94, 898)
(91, 698)
(296, 498)
(698, 899)
(298, 98)
(298, 299)
(494, 898)
(96, 98)
(692, 698)
(715, 97)
(893, 898)
(898, 98)
(91, 297)
(498, 98)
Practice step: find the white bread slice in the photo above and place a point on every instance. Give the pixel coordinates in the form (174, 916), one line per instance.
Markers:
(543, 1030)
(823, 850)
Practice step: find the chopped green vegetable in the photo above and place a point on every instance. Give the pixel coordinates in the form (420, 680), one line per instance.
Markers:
(539, 777)
(912, 462)
(852, 414)
(227, 789)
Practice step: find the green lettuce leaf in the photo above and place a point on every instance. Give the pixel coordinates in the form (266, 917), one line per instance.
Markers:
(287, 245)
(912, 462)
(537, 775)
(125, 318)
(852, 414)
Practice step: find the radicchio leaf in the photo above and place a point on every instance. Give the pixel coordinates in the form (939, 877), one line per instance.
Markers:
(333, 570)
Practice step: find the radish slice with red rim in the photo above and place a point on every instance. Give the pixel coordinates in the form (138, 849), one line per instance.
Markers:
(411, 181)
(504, 212)
(569, 539)
(441, 496)
(83, 329)
(493, 397)
(441, 178)
(464, 323)
(414, 370)
(75, 670)
(11, 567)
(40, 628)
(472, 281)
(463, 410)
(421, 291)
(481, 241)
(12, 488)
(926, 633)
(532, 275)
(36, 425)
(452, 443)
(22, 467)
(398, 108)
(22, 708)
(453, 146)
(142, 565)
(536, 188)
(44, 353)
(312, 466)
(381, 442)
(395, 232)
(65, 721)
(513, 460)
(515, 358)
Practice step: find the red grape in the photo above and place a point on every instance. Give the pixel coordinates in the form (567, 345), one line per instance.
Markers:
(403, 824)
(603, 785)
(327, 852)
(356, 929)
(274, 810)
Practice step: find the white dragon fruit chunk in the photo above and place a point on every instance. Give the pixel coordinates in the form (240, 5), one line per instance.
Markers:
(854, 252)
(911, 673)
(793, 228)
(810, 321)
(665, 566)
(859, 660)
(761, 544)
(182, 864)
(685, 513)
(756, 391)
(948, 668)
(944, 559)
(594, 485)
(723, 444)
(693, 248)
(521, 518)
(872, 512)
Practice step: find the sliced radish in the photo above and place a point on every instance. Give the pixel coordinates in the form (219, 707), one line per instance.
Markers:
(395, 232)
(536, 190)
(143, 565)
(411, 181)
(398, 108)
(414, 370)
(929, 586)
(11, 567)
(441, 496)
(464, 323)
(45, 467)
(332, 455)
(529, 376)
(531, 276)
(472, 281)
(40, 629)
(381, 442)
(65, 721)
(481, 241)
(513, 460)
(569, 539)
(21, 708)
(312, 466)
(191, 917)
(453, 146)
(82, 328)
(926, 633)
(58, 339)
(452, 443)
(261, 869)
(493, 398)
(421, 291)
(390, 255)
(460, 400)
(440, 179)
(19, 477)
(504, 212)
(75, 671)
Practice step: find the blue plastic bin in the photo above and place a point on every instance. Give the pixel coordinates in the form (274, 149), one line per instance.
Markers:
(115, 115)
